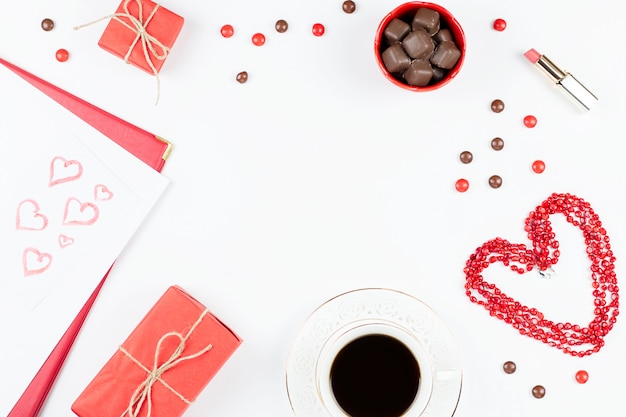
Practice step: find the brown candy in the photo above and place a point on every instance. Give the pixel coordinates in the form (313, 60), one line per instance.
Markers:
(466, 157)
(418, 44)
(497, 144)
(47, 24)
(443, 35)
(446, 55)
(539, 391)
(509, 367)
(242, 77)
(281, 26)
(396, 30)
(495, 181)
(395, 59)
(497, 105)
(419, 73)
(427, 19)
(348, 6)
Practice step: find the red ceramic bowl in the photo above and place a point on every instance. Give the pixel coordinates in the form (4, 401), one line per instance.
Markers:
(406, 12)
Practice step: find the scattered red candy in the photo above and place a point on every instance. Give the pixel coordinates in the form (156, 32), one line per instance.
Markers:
(499, 24)
(530, 121)
(258, 39)
(461, 185)
(582, 377)
(538, 166)
(318, 29)
(62, 55)
(227, 31)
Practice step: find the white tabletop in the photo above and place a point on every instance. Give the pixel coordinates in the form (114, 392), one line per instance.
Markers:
(318, 176)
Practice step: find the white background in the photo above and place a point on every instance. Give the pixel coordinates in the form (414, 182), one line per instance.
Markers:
(318, 176)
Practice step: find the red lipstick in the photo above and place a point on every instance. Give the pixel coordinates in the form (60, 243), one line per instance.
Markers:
(563, 79)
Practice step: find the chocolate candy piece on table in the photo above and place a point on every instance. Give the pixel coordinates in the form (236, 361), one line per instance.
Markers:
(242, 77)
(424, 38)
(497, 144)
(466, 157)
(47, 24)
(281, 26)
(497, 106)
(348, 6)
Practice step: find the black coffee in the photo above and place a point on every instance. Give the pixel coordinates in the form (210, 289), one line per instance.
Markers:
(375, 376)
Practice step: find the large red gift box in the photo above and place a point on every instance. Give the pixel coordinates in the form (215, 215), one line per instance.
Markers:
(123, 35)
(164, 364)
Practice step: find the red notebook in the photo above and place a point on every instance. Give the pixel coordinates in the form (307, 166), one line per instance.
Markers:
(146, 146)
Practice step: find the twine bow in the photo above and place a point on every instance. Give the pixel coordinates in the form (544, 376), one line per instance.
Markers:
(143, 394)
(149, 43)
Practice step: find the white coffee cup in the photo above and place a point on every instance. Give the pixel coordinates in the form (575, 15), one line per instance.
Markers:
(359, 329)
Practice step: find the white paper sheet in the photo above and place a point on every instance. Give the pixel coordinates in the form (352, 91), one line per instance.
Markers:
(72, 199)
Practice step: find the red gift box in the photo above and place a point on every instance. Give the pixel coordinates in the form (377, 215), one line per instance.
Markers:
(142, 33)
(163, 365)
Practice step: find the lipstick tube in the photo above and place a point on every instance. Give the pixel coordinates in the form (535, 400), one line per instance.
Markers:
(563, 79)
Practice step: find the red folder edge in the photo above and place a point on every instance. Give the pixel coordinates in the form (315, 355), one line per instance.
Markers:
(151, 149)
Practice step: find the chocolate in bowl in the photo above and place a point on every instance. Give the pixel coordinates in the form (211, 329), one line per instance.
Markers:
(449, 30)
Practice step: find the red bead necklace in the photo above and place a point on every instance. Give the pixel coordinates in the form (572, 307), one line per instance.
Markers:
(571, 338)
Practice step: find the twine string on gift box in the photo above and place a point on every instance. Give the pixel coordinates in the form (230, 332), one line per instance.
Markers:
(149, 43)
(143, 394)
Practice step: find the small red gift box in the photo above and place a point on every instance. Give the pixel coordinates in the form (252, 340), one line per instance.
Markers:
(142, 33)
(163, 365)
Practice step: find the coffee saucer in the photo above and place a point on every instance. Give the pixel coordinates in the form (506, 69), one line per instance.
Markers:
(348, 316)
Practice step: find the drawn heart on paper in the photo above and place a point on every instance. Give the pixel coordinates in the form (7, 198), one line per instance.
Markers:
(544, 253)
(78, 213)
(65, 241)
(35, 262)
(62, 170)
(29, 216)
(102, 193)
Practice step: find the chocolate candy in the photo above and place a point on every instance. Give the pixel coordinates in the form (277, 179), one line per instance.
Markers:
(446, 55)
(466, 157)
(348, 6)
(242, 77)
(395, 59)
(495, 181)
(497, 105)
(418, 44)
(509, 367)
(281, 26)
(443, 35)
(47, 24)
(396, 30)
(539, 391)
(419, 73)
(497, 144)
(418, 49)
(426, 18)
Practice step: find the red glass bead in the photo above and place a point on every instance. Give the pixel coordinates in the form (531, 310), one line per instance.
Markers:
(318, 29)
(582, 376)
(499, 24)
(227, 31)
(538, 166)
(530, 121)
(258, 39)
(461, 185)
(62, 55)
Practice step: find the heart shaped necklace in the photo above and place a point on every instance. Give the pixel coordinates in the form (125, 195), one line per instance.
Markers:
(572, 339)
